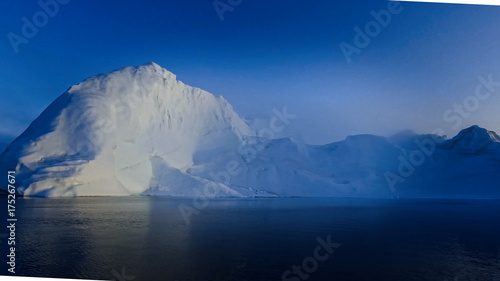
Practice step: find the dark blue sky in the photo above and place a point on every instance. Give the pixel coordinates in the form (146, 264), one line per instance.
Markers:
(265, 55)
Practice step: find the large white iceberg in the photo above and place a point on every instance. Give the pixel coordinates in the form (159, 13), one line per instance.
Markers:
(140, 131)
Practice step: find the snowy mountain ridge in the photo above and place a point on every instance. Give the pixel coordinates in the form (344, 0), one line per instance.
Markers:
(473, 139)
(140, 131)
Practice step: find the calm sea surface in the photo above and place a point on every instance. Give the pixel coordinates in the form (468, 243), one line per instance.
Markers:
(143, 238)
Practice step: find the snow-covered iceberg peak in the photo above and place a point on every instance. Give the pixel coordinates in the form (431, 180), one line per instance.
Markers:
(473, 139)
(99, 137)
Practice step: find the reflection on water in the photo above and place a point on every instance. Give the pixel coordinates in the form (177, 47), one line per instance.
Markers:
(259, 239)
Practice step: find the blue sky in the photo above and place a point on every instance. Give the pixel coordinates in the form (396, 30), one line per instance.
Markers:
(265, 55)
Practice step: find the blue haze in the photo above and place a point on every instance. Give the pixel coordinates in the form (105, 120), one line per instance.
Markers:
(266, 54)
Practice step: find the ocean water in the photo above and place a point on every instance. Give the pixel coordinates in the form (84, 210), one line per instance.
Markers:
(145, 238)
